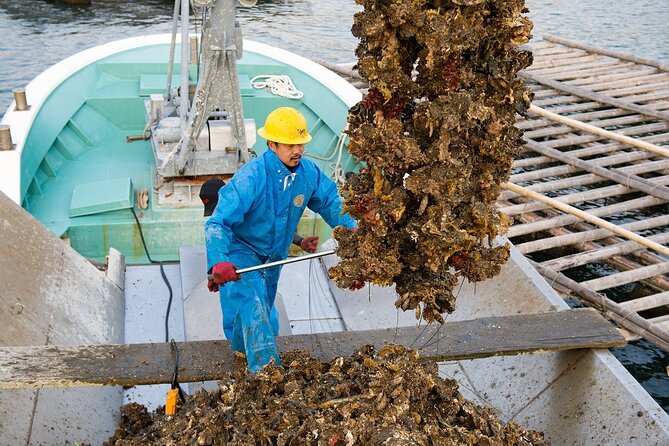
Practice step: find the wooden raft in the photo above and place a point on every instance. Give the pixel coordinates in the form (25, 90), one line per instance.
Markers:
(620, 174)
(137, 364)
(622, 180)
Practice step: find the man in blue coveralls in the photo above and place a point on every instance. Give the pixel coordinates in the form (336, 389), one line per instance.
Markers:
(209, 197)
(254, 223)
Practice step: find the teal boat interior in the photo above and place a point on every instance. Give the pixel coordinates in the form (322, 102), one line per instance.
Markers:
(80, 177)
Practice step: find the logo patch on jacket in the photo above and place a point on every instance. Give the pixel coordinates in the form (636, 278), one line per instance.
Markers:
(299, 200)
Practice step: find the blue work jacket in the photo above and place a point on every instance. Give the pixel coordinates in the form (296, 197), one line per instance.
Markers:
(261, 205)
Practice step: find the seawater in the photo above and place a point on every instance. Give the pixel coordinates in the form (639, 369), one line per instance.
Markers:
(35, 34)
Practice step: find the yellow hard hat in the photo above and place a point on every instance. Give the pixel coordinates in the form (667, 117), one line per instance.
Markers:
(285, 125)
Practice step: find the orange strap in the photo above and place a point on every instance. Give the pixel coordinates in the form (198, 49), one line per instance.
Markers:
(171, 403)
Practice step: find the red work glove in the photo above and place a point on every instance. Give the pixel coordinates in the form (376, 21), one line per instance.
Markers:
(357, 284)
(212, 286)
(225, 272)
(309, 244)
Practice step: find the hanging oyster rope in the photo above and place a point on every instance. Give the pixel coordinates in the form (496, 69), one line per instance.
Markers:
(279, 85)
(436, 134)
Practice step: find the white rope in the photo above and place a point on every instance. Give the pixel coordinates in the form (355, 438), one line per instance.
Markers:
(338, 175)
(280, 85)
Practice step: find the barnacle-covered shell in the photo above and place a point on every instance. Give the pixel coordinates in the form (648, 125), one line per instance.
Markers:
(368, 398)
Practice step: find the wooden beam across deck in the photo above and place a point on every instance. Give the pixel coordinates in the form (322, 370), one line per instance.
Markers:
(138, 364)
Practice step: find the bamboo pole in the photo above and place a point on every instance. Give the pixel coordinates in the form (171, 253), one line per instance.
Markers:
(615, 136)
(553, 51)
(573, 140)
(623, 317)
(568, 219)
(590, 150)
(568, 59)
(625, 86)
(609, 160)
(589, 195)
(553, 130)
(647, 302)
(569, 100)
(342, 71)
(648, 97)
(578, 68)
(539, 45)
(620, 263)
(635, 88)
(662, 321)
(586, 236)
(595, 71)
(625, 277)
(583, 180)
(530, 124)
(592, 166)
(588, 217)
(578, 91)
(598, 83)
(572, 105)
(573, 165)
(632, 86)
(605, 52)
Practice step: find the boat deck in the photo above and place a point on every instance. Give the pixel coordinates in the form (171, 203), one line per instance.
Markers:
(622, 183)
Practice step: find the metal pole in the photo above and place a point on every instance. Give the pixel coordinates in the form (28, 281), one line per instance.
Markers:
(286, 261)
(185, 57)
(282, 262)
(173, 43)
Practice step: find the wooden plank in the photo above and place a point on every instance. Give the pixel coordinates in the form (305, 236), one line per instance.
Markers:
(623, 317)
(137, 364)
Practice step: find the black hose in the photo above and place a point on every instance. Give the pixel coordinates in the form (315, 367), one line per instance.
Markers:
(175, 373)
(162, 273)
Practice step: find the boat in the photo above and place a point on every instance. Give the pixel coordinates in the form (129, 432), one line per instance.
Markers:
(79, 176)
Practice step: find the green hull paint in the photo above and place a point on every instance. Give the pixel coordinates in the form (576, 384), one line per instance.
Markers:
(79, 137)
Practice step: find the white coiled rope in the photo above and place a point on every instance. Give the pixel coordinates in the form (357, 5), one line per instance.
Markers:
(279, 85)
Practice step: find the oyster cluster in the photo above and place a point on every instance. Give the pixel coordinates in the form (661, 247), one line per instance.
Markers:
(436, 133)
(369, 398)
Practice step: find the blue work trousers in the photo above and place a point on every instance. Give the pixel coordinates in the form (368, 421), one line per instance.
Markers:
(250, 320)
